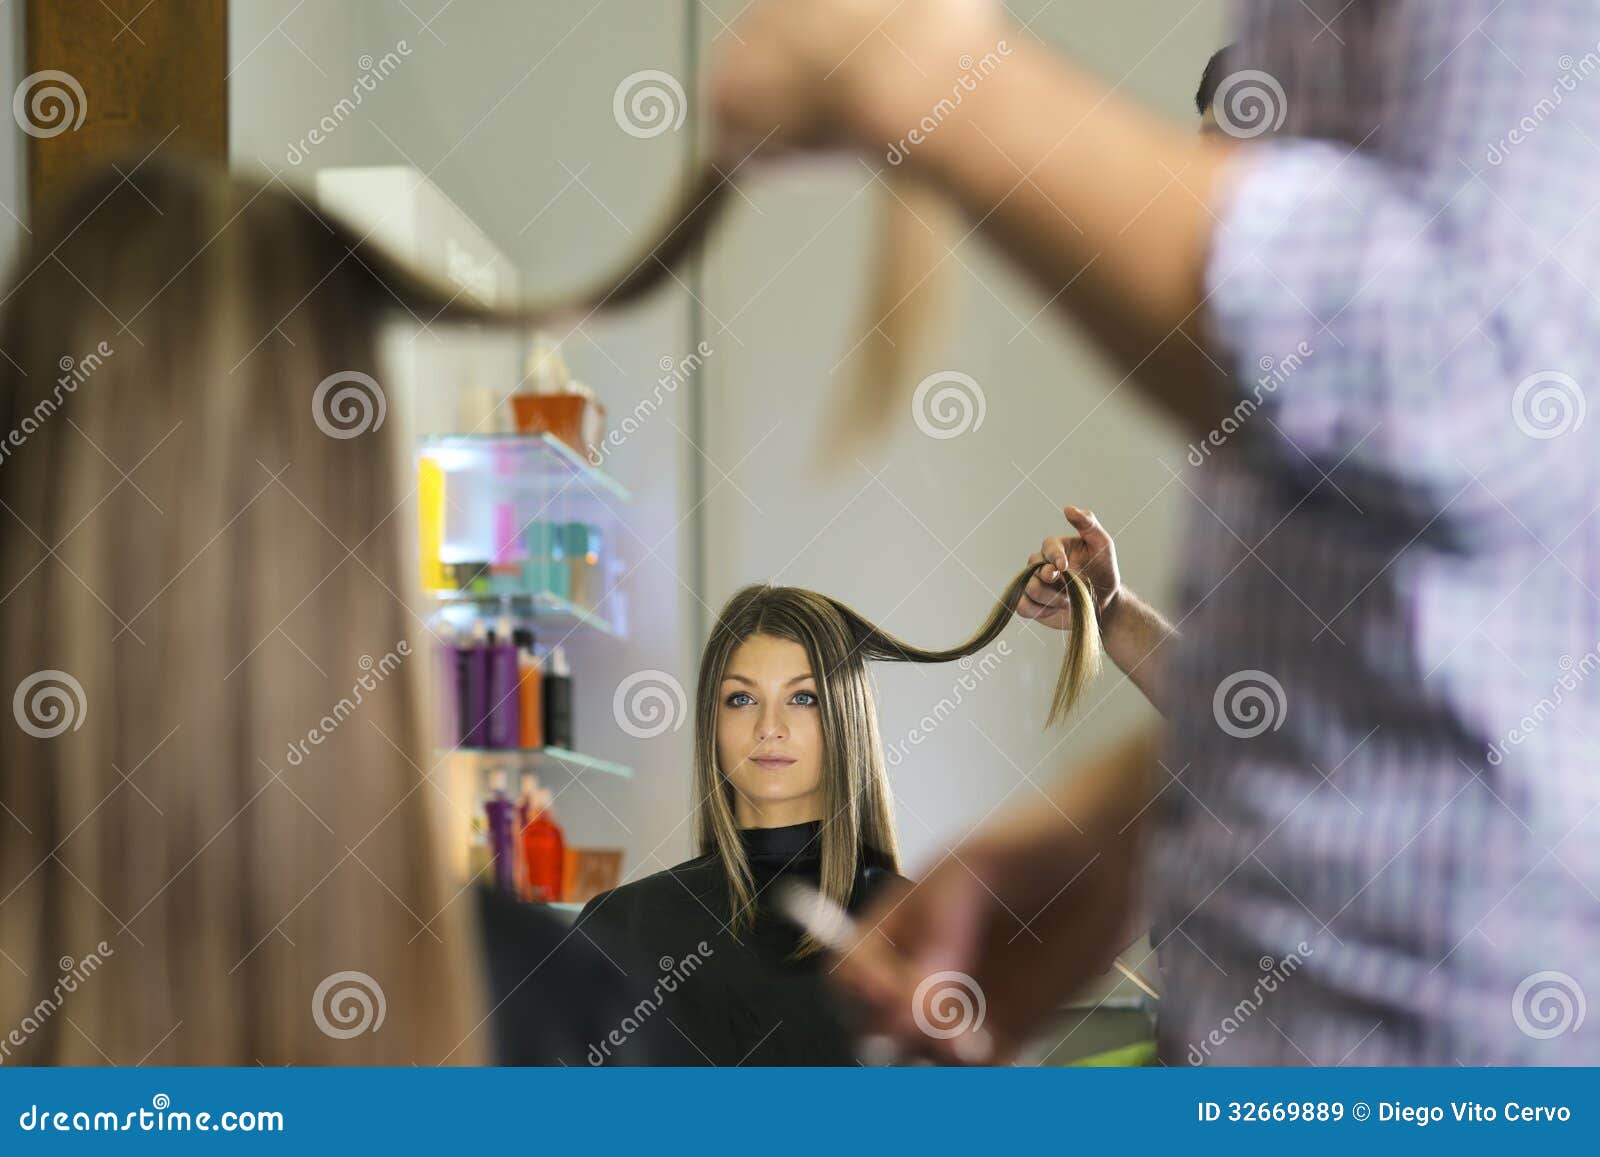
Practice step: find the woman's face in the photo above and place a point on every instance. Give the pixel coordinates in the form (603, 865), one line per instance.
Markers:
(769, 734)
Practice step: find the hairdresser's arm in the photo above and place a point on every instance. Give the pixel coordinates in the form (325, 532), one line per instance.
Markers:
(1106, 204)
(1136, 636)
(1132, 632)
(1029, 908)
(1411, 295)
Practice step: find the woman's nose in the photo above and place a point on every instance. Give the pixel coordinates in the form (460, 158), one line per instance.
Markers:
(772, 725)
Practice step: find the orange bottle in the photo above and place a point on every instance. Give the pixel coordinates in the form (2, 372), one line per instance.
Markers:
(527, 808)
(544, 849)
(530, 699)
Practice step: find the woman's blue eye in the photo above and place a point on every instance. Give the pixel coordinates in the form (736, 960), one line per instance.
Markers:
(806, 698)
(733, 700)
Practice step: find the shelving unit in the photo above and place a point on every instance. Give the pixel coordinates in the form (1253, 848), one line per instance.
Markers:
(522, 528)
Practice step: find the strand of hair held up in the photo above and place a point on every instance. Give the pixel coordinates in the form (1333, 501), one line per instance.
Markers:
(1079, 664)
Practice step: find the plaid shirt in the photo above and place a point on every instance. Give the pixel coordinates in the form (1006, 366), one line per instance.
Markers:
(1378, 836)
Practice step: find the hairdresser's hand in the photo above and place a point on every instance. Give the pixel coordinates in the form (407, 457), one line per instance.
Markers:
(1134, 634)
(1011, 923)
(1090, 553)
(840, 73)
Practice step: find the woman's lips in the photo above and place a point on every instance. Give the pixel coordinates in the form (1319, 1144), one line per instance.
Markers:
(772, 762)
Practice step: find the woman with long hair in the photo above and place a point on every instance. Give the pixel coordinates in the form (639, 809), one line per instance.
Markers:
(789, 781)
(203, 568)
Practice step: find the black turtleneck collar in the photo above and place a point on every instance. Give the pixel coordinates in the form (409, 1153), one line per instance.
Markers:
(791, 843)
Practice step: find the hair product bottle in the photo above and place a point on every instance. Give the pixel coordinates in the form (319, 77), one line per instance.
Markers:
(527, 808)
(503, 728)
(475, 688)
(502, 846)
(528, 691)
(558, 700)
(545, 848)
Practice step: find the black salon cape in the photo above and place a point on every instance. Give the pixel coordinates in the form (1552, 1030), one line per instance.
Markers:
(551, 993)
(734, 1002)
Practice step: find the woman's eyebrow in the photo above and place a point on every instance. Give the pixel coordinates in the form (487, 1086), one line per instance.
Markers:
(731, 677)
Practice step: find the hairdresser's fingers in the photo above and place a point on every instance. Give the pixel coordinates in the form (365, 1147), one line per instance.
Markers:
(916, 947)
(1037, 598)
(1043, 569)
(1045, 602)
(874, 968)
(842, 73)
(1087, 525)
(874, 977)
(1057, 548)
(786, 78)
(950, 961)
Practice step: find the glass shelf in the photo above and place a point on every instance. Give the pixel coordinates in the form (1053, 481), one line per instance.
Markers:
(572, 761)
(521, 524)
(461, 607)
(532, 458)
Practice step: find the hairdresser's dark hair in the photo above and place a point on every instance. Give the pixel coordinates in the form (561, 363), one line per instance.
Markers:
(856, 798)
(1216, 69)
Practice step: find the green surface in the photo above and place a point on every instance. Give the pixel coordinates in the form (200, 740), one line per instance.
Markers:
(1127, 1057)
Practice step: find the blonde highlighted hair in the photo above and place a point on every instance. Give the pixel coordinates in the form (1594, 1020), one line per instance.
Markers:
(857, 802)
(197, 574)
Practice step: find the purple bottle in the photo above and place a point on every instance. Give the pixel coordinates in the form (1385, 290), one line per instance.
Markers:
(503, 727)
(500, 813)
(474, 685)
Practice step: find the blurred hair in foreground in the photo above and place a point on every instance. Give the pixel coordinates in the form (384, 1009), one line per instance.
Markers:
(198, 566)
